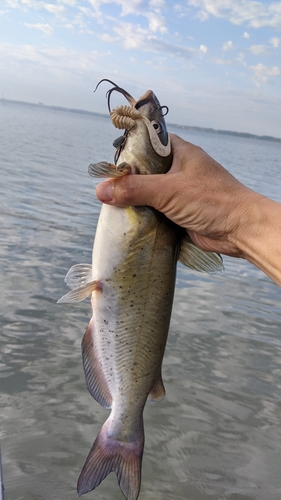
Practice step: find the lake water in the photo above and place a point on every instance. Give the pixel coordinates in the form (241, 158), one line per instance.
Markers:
(217, 434)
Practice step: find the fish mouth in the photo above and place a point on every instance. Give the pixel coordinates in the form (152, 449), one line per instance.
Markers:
(148, 98)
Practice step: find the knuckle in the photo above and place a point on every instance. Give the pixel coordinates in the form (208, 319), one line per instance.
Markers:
(123, 190)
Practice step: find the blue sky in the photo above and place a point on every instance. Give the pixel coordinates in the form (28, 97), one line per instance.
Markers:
(215, 63)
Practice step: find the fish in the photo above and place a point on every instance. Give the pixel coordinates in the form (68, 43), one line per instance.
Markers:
(131, 282)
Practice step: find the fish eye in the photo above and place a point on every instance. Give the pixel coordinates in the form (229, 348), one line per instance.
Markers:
(157, 126)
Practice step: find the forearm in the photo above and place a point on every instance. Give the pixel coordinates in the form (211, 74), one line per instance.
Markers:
(258, 234)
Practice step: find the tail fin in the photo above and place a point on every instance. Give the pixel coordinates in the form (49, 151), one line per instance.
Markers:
(108, 455)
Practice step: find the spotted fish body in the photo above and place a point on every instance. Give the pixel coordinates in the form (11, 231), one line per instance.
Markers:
(132, 280)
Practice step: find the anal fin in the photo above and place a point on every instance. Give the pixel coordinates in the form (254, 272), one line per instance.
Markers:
(95, 379)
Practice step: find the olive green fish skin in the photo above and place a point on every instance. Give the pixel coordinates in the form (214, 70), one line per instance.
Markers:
(132, 313)
(134, 259)
(130, 323)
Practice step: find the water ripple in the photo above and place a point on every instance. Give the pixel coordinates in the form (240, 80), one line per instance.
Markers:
(216, 436)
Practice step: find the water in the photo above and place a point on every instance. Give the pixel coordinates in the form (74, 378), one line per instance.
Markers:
(217, 434)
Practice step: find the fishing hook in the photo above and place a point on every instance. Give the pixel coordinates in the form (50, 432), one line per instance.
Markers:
(116, 87)
(163, 107)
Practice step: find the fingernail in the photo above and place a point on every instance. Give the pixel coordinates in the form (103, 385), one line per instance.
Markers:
(104, 191)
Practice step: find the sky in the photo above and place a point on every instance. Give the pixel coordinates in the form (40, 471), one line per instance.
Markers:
(214, 63)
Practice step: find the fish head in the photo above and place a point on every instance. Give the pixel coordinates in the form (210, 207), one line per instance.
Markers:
(145, 142)
(149, 106)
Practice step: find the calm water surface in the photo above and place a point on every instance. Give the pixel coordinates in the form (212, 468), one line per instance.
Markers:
(217, 434)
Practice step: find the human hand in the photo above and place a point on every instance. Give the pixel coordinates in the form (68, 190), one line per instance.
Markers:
(197, 193)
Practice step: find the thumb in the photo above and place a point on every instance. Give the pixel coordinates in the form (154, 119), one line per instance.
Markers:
(131, 190)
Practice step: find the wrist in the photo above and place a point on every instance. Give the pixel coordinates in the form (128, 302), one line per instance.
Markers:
(258, 233)
(247, 217)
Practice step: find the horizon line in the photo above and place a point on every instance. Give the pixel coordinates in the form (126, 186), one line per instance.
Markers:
(245, 135)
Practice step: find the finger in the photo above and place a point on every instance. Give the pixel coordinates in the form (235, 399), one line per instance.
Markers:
(132, 190)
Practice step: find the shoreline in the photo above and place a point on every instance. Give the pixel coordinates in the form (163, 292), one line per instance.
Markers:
(245, 135)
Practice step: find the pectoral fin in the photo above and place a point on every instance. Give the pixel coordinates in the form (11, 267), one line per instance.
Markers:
(193, 257)
(105, 169)
(79, 279)
(81, 293)
(79, 275)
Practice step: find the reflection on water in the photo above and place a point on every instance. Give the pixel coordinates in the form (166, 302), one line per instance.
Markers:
(216, 436)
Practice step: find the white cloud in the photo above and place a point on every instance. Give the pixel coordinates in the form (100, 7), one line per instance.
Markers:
(224, 62)
(95, 4)
(132, 36)
(136, 7)
(156, 22)
(157, 3)
(151, 10)
(241, 59)
(275, 42)
(262, 72)
(258, 49)
(15, 4)
(56, 62)
(181, 10)
(238, 60)
(227, 46)
(93, 8)
(105, 37)
(202, 15)
(12, 3)
(46, 28)
(203, 49)
(246, 35)
(54, 9)
(255, 13)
